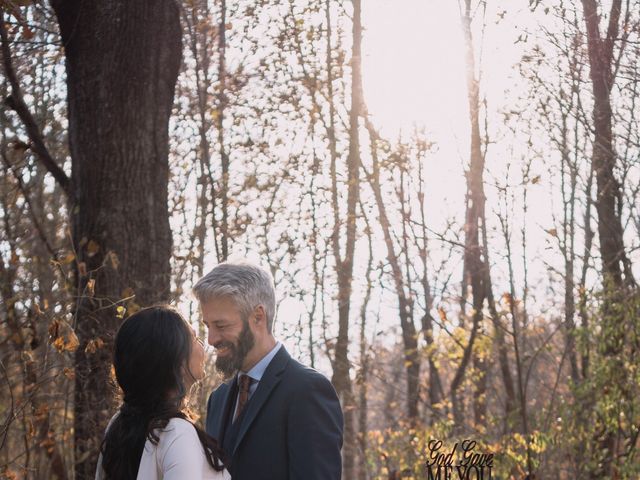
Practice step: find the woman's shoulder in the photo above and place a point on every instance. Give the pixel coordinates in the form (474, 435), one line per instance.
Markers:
(177, 431)
(180, 425)
(179, 444)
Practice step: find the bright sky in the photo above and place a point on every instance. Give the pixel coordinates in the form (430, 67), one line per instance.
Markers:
(414, 73)
(413, 66)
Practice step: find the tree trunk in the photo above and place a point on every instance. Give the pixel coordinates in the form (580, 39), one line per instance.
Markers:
(474, 266)
(199, 39)
(224, 156)
(344, 263)
(363, 375)
(616, 266)
(435, 390)
(405, 307)
(122, 62)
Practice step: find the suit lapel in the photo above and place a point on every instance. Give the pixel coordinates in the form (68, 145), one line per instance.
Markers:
(268, 382)
(226, 402)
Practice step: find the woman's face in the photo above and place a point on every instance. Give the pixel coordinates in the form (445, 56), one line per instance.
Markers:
(196, 362)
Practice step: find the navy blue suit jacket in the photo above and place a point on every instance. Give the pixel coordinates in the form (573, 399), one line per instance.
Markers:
(291, 428)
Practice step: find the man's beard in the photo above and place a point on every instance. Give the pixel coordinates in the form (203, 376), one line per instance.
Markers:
(229, 364)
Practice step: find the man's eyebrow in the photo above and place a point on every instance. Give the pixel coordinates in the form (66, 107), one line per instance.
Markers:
(216, 321)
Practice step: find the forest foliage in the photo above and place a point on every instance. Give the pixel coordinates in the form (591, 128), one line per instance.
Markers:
(117, 192)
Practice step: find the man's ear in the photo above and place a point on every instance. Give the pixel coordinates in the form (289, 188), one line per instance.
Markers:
(260, 314)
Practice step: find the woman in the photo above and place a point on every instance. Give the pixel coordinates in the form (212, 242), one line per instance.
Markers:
(157, 358)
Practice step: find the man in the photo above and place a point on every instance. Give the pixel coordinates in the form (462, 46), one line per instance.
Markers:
(275, 418)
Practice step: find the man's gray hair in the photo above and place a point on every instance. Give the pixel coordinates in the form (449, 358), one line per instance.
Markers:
(247, 284)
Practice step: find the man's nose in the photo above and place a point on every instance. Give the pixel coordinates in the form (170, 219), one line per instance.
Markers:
(213, 337)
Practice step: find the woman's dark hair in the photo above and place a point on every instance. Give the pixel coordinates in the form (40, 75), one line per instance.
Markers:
(151, 354)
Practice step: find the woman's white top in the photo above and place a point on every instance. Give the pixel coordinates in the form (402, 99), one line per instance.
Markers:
(179, 455)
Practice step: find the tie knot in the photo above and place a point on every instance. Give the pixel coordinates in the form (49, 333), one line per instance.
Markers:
(244, 382)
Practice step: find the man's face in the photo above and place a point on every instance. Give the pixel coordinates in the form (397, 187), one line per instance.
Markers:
(229, 334)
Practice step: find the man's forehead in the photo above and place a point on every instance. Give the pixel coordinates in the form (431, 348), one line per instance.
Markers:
(219, 306)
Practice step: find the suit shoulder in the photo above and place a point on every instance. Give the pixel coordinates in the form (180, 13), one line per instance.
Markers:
(305, 376)
(223, 387)
(219, 392)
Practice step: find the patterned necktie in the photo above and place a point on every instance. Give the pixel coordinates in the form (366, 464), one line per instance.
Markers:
(244, 382)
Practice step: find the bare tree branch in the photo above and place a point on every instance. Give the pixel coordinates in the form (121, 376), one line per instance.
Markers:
(16, 102)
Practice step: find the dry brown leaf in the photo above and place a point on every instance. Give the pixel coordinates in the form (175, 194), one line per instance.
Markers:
(91, 285)
(94, 345)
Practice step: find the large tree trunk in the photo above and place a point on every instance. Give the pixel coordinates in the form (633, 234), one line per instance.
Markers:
(122, 62)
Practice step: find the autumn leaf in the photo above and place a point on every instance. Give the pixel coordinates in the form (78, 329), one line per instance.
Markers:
(132, 307)
(9, 475)
(94, 345)
(48, 444)
(41, 412)
(68, 258)
(62, 337)
(91, 285)
(507, 299)
(128, 292)
(54, 326)
(72, 341)
(58, 344)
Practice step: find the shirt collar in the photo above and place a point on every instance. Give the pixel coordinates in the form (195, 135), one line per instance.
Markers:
(257, 371)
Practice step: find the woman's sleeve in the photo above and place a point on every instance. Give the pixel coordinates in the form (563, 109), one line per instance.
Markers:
(181, 456)
(99, 471)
